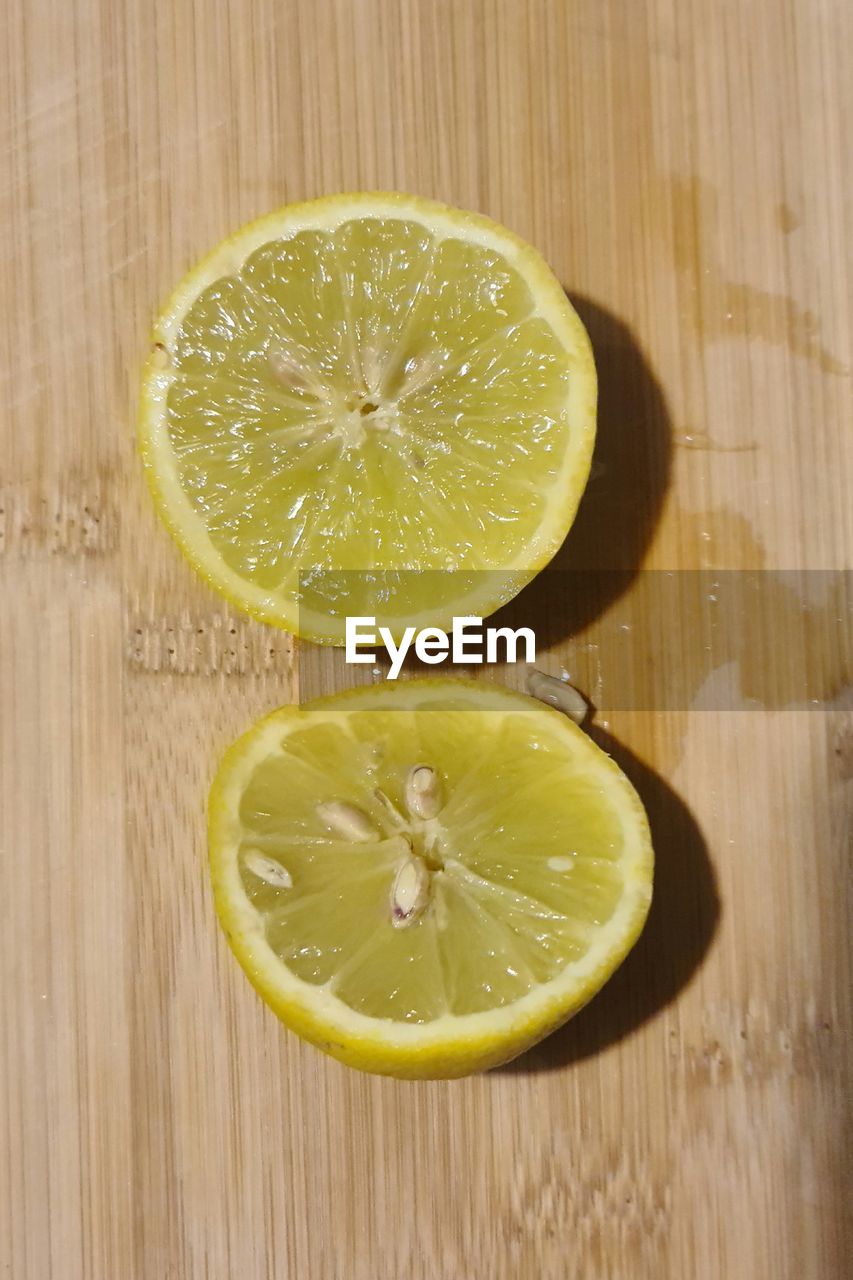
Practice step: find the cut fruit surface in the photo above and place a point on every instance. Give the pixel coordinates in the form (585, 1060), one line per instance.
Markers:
(424, 879)
(368, 384)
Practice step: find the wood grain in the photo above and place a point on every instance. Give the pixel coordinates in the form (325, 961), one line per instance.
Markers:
(682, 168)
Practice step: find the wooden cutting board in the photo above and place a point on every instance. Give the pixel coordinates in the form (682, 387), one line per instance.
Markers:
(682, 167)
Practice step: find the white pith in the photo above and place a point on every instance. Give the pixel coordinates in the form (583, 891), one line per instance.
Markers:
(350, 418)
(319, 1003)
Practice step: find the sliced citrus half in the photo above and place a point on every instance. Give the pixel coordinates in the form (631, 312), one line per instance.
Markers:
(366, 385)
(424, 879)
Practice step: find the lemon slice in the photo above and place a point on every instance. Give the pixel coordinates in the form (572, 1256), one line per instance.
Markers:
(368, 384)
(425, 879)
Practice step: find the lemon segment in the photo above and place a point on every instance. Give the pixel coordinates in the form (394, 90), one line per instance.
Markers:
(368, 383)
(438, 945)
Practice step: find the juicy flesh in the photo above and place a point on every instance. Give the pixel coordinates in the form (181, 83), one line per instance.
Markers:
(523, 858)
(368, 398)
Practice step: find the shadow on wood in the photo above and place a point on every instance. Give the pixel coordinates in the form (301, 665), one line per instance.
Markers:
(680, 928)
(623, 499)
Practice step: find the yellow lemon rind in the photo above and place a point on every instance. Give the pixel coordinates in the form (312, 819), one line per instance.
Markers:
(453, 1045)
(326, 213)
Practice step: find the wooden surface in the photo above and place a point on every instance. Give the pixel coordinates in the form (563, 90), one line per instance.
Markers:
(682, 167)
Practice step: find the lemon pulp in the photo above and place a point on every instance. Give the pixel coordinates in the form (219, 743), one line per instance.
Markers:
(368, 384)
(536, 872)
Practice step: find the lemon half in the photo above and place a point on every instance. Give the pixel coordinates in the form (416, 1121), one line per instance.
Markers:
(425, 879)
(368, 384)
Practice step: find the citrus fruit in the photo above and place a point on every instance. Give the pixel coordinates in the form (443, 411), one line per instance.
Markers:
(368, 384)
(424, 879)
